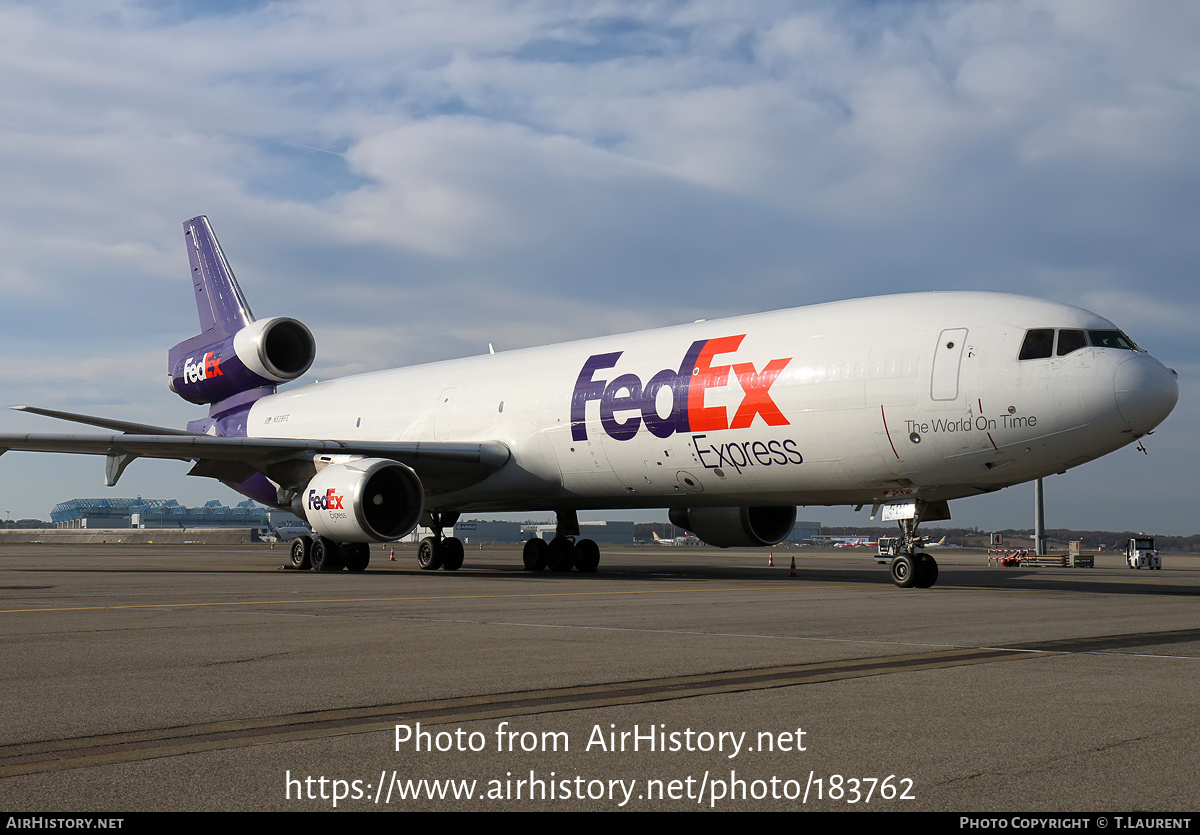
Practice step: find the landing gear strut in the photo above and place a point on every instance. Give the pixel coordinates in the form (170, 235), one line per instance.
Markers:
(564, 552)
(912, 568)
(438, 551)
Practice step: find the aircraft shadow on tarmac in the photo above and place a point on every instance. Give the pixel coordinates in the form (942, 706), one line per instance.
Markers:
(482, 566)
(961, 577)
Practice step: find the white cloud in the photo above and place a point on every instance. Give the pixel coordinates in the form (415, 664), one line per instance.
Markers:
(1148, 314)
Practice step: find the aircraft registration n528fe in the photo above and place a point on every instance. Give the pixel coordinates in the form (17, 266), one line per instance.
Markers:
(899, 402)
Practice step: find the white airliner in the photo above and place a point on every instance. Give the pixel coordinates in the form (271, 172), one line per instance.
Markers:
(900, 402)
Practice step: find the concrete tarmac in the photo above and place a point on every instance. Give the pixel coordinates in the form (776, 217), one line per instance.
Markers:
(180, 677)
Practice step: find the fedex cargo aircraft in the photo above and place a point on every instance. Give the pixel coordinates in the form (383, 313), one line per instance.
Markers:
(902, 403)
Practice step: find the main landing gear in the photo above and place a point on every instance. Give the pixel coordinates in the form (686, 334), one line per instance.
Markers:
(322, 554)
(911, 567)
(438, 551)
(564, 552)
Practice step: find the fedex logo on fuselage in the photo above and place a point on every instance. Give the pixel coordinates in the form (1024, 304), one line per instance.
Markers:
(208, 367)
(329, 500)
(626, 404)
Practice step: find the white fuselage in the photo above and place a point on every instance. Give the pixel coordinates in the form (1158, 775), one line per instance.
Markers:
(849, 402)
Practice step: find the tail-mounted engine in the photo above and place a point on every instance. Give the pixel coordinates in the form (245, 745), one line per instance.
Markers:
(728, 527)
(233, 354)
(365, 500)
(263, 353)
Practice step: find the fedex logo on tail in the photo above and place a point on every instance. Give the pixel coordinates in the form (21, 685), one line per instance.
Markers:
(208, 367)
(626, 403)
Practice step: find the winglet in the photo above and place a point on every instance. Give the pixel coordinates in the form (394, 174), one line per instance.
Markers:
(219, 301)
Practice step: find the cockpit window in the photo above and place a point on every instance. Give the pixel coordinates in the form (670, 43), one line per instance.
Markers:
(1038, 344)
(1111, 339)
(1069, 340)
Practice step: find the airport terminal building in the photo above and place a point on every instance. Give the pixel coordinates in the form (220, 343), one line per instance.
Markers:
(165, 513)
(158, 514)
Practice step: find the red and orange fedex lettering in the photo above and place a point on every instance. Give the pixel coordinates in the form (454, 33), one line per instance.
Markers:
(625, 404)
(329, 500)
(208, 367)
(706, 376)
(757, 400)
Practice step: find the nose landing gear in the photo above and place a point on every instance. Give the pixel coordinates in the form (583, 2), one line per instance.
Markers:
(914, 571)
(911, 567)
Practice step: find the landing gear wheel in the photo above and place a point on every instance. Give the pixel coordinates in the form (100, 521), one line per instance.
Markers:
(903, 573)
(324, 555)
(356, 555)
(301, 548)
(588, 556)
(560, 555)
(534, 554)
(429, 554)
(926, 570)
(452, 554)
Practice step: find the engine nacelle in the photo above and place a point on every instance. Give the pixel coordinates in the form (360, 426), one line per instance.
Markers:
(728, 527)
(263, 353)
(367, 500)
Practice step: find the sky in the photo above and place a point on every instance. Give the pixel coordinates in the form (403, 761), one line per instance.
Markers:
(417, 180)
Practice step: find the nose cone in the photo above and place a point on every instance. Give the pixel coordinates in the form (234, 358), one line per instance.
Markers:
(1146, 392)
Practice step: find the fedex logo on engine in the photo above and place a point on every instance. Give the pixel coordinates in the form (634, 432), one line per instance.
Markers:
(626, 403)
(329, 500)
(208, 367)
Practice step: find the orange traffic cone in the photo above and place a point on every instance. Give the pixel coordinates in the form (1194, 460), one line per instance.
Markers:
(793, 574)
(393, 557)
(771, 560)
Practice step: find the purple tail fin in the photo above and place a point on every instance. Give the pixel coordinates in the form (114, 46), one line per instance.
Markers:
(219, 301)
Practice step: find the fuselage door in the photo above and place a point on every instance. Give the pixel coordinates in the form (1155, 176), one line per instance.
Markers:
(946, 360)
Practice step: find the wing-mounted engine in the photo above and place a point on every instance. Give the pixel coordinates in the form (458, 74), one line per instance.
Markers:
(364, 500)
(728, 527)
(263, 353)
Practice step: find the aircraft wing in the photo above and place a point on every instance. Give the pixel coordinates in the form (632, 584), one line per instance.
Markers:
(104, 423)
(442, 466)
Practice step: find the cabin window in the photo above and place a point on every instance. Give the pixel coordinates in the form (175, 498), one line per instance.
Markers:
(1038, 344)
(1070, 340)
(1111, 339)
